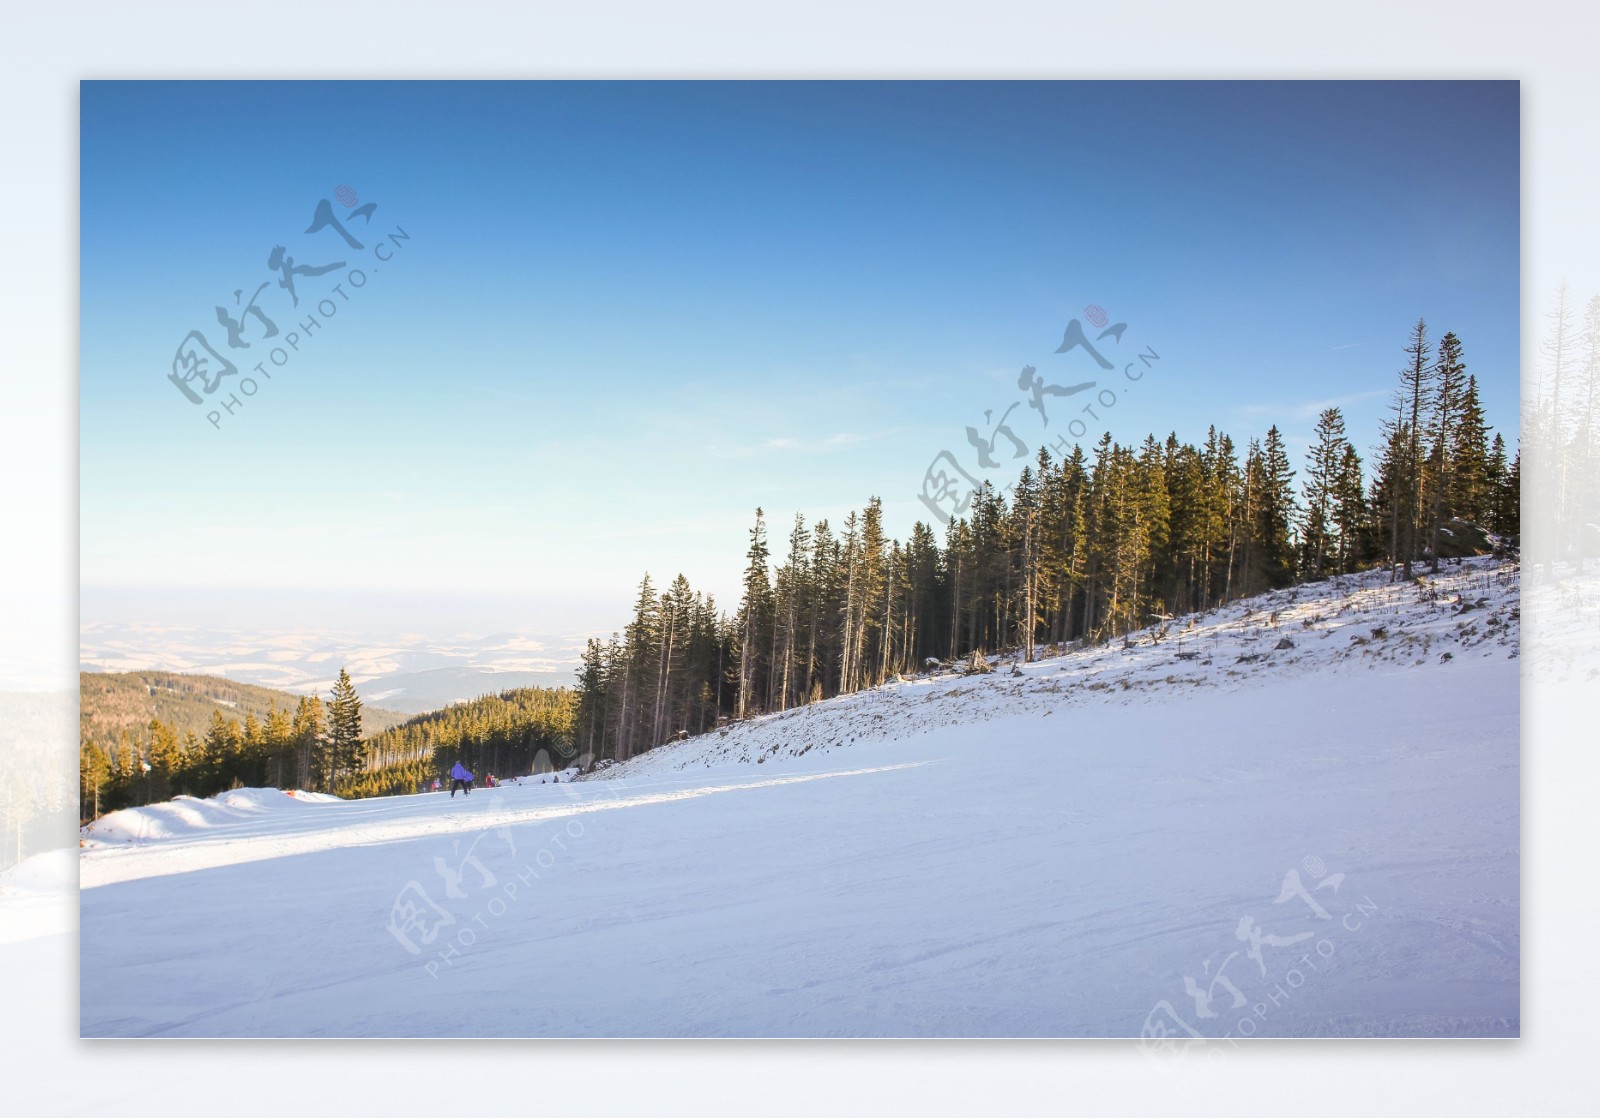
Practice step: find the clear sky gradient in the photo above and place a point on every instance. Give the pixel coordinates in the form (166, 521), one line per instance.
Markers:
(628, 314)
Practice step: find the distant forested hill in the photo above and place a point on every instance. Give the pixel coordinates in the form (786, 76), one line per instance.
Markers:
(111, 702)
(145, 737)
(504, 734)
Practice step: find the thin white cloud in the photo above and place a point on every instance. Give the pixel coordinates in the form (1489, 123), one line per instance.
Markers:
(825, 445)
(1310, 409)
(815, 446)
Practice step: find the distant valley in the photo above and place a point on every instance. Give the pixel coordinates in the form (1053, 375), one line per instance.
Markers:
(405, 673)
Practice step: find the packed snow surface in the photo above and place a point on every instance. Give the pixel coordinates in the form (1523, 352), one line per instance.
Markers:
(32, 894)
(1297, 816)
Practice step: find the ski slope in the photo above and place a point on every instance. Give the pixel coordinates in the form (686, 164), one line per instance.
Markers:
(1255, 838)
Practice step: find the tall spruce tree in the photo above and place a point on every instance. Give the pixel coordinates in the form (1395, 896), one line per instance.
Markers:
(1351, 516)
(1468, 491)
(310, 755)
(279, 734)
(755, 614)
(1277, 512)
(1325, 466)
(345, 757)
(1449, 392)
(1416, 379)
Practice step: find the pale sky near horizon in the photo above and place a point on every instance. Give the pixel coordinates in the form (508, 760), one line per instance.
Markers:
(621, 316)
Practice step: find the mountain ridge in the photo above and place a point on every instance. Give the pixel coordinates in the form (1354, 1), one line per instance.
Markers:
(112, 702)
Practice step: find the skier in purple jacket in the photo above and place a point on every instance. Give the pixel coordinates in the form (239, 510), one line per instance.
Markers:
(460, 778)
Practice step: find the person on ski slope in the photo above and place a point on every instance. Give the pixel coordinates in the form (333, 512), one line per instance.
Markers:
(460, 778)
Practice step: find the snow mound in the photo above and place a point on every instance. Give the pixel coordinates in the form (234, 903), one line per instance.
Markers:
(186, 816)
(53, 872)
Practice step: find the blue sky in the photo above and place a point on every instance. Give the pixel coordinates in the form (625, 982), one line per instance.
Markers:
(628, 314)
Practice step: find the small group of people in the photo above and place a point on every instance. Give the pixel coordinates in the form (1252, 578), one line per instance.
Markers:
(462, 778)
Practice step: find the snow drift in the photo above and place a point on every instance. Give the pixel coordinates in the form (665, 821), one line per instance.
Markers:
(191, 816)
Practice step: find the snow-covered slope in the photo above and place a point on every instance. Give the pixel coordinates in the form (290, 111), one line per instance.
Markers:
(1360, 622)
(1203, 836)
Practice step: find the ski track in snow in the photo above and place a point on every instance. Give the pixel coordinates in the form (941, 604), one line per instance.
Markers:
(274, 831)
(1045, 850)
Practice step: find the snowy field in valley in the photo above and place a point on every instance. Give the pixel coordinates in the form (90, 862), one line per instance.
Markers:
(1297, 816)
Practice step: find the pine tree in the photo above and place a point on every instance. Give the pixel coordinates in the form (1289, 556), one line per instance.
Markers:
(279, 743)
(849, 644)
(166, 760)
(220, 752)
(193, 758)
(1350, 516)
(1325, 466)
(1190, 511)
(1449, 388)
(754, 620)
(251, 749)
(125, 759)
(1277, 512)
(924, 569)
(345, 756)
(310, 754)
(821, 640)
(1389, 487)
(591, 702)
(1072, 545)
(94, 774)
(641, 640)
(1025, 515)
(1416, 378)
(1469, 488)
(676, 618)
(1505, 517)
(1225, 488)
(1099, 531)
(872, 608)
(792, 594)
(1152, 510)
